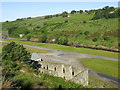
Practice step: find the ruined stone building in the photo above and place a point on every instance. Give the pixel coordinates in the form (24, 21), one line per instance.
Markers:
(79, 76)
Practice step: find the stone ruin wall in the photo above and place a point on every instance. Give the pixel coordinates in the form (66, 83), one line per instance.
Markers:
(65, 71)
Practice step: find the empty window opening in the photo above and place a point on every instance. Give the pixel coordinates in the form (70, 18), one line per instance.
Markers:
(64, 77)
(44, 67)
(72, 73)
(55, 68)
(63, 70)
(47, 67)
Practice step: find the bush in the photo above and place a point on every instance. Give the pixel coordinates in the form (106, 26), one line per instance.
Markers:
(66, 21)
(28, 17)
(64, 14)
(81, 11)
(48, 16)
(28, 37)
(38, 26)
(43, 38)
(105, 13)
(73, 12)
(15, 52)
(95, 39)
(44, 23)
(84, 21)
(62, 40)
(106, 38)
(81, 33)
(7, 21)
(86, 32)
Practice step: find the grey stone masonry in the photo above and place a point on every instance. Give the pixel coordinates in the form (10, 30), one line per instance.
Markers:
(79, 76)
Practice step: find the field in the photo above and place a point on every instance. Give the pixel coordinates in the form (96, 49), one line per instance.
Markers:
(103, 66)
(72, 49)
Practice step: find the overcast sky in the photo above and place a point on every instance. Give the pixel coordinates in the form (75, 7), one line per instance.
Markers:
(13, 10)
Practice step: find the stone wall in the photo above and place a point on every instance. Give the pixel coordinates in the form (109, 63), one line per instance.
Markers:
(65, 71)
(81, 78)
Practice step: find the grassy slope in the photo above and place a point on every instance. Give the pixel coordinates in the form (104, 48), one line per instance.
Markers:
(97, 29)
(43, 81)
(102, 66)
(72, 49)
(95, 82)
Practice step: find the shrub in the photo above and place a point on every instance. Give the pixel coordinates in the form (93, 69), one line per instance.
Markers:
(48, 16)
(44, 23)
(28, 37)
(57, 15)
(26, 32)
(66, 21)
(95, 39)
(84, 21)
(38, 26)
(62, 40)
(106, 38)
(81, 11)
(43, 38)
(7, 21)
(28, 17)
(86, 32)
(14, 52)
(30, 24)
(81, 33)
(73, 12)
(65, 14)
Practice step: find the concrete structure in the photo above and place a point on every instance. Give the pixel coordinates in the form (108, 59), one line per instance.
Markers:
(65, 71)
(35, 57)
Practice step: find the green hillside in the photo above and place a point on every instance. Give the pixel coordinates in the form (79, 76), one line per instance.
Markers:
(75, 29)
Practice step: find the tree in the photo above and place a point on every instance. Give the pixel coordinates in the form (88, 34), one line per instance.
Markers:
(15, 52)
(73, 12)
(81, 11)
